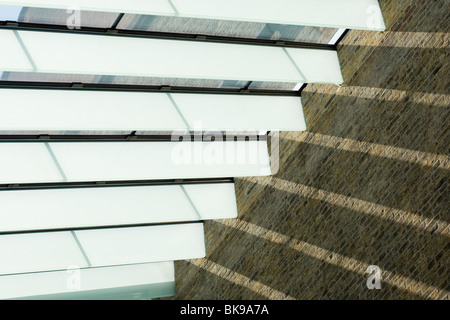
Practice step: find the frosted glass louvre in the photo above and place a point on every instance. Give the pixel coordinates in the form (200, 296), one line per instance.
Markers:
(57, 251)
(47, 110)
(141, 281)
(121, 161)
(143, 244)
(114, 206)
(350, 14)
(53, 52)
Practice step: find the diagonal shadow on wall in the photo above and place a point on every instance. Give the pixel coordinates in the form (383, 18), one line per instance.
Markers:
(404, 124)
(392, 183)
(416, 16)
(289, 271)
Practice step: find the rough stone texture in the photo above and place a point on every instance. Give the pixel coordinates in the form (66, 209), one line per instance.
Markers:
(367, 184)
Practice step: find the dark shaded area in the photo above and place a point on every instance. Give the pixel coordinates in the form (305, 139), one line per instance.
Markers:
(289, 271)
(402, 124)
(416, 16)
(407, 69)
(201, 281)
(357, 235)
(387, 182)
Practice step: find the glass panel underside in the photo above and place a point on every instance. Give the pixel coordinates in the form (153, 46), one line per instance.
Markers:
(62, 250)
(114, 206)
(118, 161)
(351, 14)
(51, 52)
(129, 282)
(127, 80)
(64, 110)
(68, 16)
(143, 244)
(154, 23)
(238, 29)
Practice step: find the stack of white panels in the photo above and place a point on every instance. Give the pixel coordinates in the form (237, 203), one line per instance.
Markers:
(45, 232)
(114, 261)
(59, 250)
(39, 265)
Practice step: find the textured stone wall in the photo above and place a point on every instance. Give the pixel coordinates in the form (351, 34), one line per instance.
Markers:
(367, 184)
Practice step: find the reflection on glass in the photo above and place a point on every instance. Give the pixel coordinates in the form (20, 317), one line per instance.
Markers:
(141, 81)
(258, 85)
(61, 17)
(241, 29)
(166, 24)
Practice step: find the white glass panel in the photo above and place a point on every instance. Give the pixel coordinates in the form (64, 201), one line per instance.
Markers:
(222, 205)
(232, 112)
(87, 110)
(22, 163)
(24, 109)
(127, 56)
(143, 244)
(105, 161)
(57, 251)
(327, 73)
(36, 252)
(112, 206)
(351, 14)
(76, 282)
(161, 160)
(12, 56)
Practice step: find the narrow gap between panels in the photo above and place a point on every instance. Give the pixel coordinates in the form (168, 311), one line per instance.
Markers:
(106, 184)
(143, 88)
(40, 27)
(72, 230)
(186, 136)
